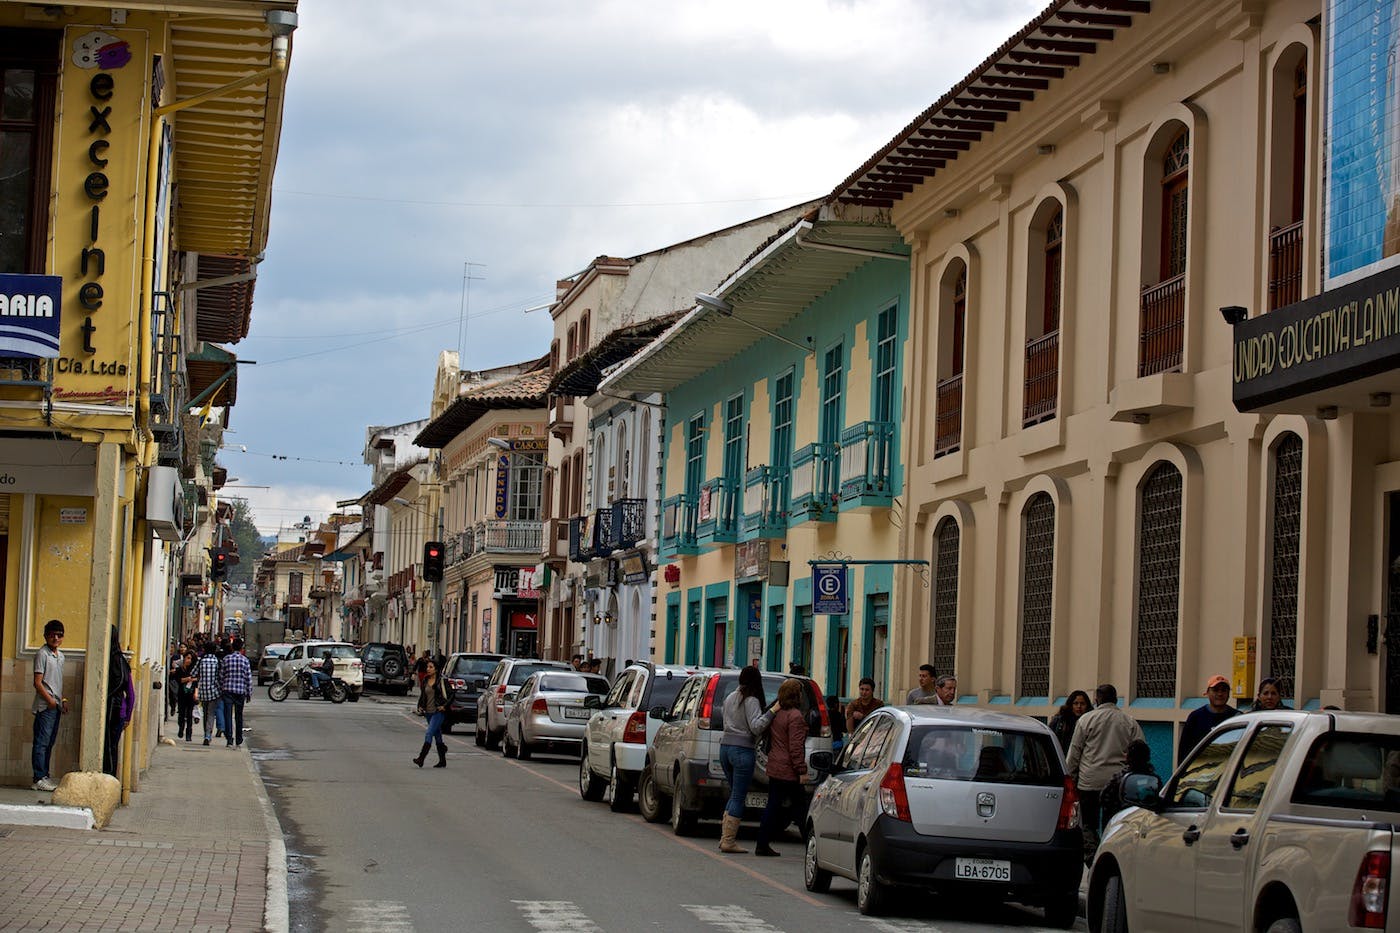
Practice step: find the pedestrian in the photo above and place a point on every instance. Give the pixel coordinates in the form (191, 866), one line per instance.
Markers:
(576, 662)
(786, 767)
(121, 701)
(187, 681)
(1268, 697)
(863, 705)
(1062, 723)
(745, 720)
(1101, 738)
(236, 688)
(945, 691)
(924, 692)
(836, 720)
(171, 693)
(420, 667)
(1137, 775)
(796, 670)
(1205, 718)
(211, 702)
(49, 702)
(432, 703)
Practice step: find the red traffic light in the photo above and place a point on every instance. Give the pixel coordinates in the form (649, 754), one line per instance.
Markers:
(432, 561)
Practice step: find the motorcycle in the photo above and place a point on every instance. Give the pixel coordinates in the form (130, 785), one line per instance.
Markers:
(333, 689)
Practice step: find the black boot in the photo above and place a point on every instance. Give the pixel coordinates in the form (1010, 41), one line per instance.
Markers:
(764, 848)
(442, 755)
(422, 754)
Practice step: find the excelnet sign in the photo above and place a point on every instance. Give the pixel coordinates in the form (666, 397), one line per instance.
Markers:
(29, 315)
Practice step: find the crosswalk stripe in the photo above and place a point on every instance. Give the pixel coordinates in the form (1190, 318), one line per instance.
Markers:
(730, 917)
(556, 917)
(379, 917)
(900, 925)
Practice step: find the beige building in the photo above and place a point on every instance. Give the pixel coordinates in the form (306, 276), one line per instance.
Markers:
(1093, 505)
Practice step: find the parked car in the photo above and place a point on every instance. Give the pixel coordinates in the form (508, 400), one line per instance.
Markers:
(466, 675)
(549, 713)
(348, 666)
(267, 663)
(1277, 821)
(619, 734)
(386, 667)
(683, 777)
(500, 691)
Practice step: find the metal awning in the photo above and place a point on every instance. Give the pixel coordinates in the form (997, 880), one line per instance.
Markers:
(212, 367)
(767, 293)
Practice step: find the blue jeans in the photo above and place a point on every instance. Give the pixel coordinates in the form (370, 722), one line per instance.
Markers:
(434, 732)
(213, 716)
(233, 718)
(737, 763)
(45, 734)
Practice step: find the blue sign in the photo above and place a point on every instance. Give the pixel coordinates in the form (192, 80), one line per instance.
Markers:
(29, 315)
(830, 594)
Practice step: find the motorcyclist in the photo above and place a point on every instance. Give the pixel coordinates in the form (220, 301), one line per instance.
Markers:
(321, 678)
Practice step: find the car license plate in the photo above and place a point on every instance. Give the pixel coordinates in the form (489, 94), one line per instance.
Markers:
(756, 801)
(982, 869)
(572, 713)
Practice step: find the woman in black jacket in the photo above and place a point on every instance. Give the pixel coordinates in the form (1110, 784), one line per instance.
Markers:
(432, 703)
(1062, 723)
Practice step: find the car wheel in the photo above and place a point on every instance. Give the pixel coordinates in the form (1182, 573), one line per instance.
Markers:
(480, 737)
(391, 668)
(1285, 925)
(1115, 907)
(590, 786)
(493, 739)
(682, 820)
(1062, 911)
(522, 749)
(650, 800)
(507, 744)
(871, 894)
(619, 791)
(816, 878)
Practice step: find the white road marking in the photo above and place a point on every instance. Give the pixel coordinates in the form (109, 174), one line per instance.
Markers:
(730, 917)
(556, 917)
(901, 925)
(379, 917)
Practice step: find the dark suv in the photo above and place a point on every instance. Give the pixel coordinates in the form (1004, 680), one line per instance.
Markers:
(466, 674)
(387, 667)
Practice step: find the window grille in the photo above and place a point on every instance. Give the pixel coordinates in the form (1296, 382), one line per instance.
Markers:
(1283, 574)
(1038, 588)
(947, 544)
(1159, 582)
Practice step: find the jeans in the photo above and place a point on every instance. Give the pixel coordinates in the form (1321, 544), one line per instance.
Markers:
(1090, 814)
(737, 762)
(784, 801)
(434, 732)
(233, 719)
(45, 734)
(213, 713)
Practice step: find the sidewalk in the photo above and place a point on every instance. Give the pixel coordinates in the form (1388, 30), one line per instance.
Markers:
(198, 849)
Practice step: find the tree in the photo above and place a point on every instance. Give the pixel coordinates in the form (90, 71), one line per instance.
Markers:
(250, 544)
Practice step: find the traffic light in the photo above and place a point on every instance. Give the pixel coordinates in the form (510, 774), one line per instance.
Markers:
(432, 561)
(218, 563)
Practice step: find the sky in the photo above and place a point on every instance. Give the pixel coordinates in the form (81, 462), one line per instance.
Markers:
(443, 163)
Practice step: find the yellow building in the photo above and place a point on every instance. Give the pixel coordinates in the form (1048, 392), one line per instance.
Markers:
(112, 294)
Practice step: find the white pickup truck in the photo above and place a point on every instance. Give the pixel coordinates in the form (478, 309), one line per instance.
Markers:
(1277, 822)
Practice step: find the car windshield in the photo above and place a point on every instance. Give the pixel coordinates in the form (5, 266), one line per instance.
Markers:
(982, 754)
(1352, 771)
(521, 672)
(474, 666)
(276, 651)
(664, 689)
(337, 651)
(566, 680)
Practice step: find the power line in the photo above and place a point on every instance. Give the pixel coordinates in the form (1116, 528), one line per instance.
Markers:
(255, 453)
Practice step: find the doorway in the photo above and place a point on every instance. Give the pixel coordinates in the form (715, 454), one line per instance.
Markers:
(523, 643)
(1392, 605)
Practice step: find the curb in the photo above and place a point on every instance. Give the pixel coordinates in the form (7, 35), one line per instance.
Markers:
(46, 815)
(276, 916)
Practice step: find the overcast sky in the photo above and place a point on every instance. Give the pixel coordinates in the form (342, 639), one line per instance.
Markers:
(527, 139)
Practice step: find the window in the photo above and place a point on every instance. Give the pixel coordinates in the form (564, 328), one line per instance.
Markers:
(583, 334)
(1043, 298)
(602, 489)
(1162, 308)
(984, 755)
(1159, 581)
(1288, 171)
(1176, 164)
(1053, 252)
(572, 339)
(948, 392)
(947, 542)
(526, 486)
(618, 694)
(1351, 771)
(1037, 594)
(1196, 782)
(694, 455)
(833, 384)
(1257, 767)
(781, 454)
(959, 321)
(882, 405)
(734, 442)
(1285, 518)
(854, 751)
(873, 748)
(553, 357)
(28, 77)
(622, 481)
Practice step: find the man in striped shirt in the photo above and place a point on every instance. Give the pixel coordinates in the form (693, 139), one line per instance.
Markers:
(236, 684)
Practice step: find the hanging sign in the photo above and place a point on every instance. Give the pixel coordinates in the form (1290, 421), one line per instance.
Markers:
(830, 593)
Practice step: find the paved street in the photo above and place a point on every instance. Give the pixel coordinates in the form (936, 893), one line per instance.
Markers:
(488, 843)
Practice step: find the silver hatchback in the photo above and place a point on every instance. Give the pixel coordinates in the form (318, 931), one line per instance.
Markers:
(952, 800)
(549, 713)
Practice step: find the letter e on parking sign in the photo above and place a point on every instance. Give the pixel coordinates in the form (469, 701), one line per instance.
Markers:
(830, 595)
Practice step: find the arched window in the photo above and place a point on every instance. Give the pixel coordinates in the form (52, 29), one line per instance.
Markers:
(602, 493)
(623, 462)
(947, 543)
(1041, 398)
(1176, 178)
(1286, 529)
(1037, 595)
(1162, 326)
(1159, 581)
(952, 332)
(1288, 162)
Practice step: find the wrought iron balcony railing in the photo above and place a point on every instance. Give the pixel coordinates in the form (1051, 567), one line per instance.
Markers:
(1162, 326)
(1042, 388)
(948, 415)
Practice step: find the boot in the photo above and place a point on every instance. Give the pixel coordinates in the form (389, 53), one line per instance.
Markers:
(442, 756)
(422, 754)
(764, 848)
(729, 833)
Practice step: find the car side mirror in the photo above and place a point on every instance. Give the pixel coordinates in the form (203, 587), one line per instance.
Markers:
(593, 702)
(1142, 790)
(821, 761)
(657, 712)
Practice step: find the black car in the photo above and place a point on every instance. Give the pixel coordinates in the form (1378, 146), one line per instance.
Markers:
(466, 675)
(387, 667)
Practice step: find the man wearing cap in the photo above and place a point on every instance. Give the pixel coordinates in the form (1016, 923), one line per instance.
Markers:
(1206, 718)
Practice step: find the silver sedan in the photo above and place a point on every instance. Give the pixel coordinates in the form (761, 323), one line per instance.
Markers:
(549, 713)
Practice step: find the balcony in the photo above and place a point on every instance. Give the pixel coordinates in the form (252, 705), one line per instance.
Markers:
(508, 536)
(678, 519)
(947, 419)
(629, 522)
(460, 546)
(1285, 265)
(581, 539)
(1042, 390)
(765, 503)
(1162, 327)
(603, 541)
(866, 465)
(561, 417)
(718, 512)
(814, 471)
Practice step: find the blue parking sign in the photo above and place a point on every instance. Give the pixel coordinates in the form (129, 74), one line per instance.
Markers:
(830, 595)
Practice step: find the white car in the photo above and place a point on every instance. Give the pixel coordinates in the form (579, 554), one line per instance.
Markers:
(620, 732)
(348, 666)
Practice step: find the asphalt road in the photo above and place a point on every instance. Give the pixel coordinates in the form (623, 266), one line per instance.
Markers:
(489, 843)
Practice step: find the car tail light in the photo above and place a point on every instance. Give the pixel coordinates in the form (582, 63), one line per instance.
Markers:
(1371, 893)
(894, 799)
(539, 707)
(707, 705)
(636, 729)
(825, 731)
(500, 691)
(1069, 807)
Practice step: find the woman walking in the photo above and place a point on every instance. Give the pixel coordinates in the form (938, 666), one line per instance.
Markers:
(1062, 723)
(787, 763)
(432, 703)
(186, 680)
(745, 720)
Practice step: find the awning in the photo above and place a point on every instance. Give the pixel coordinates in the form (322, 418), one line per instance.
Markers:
(582, 375)
(517, 392)
(207, 366)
